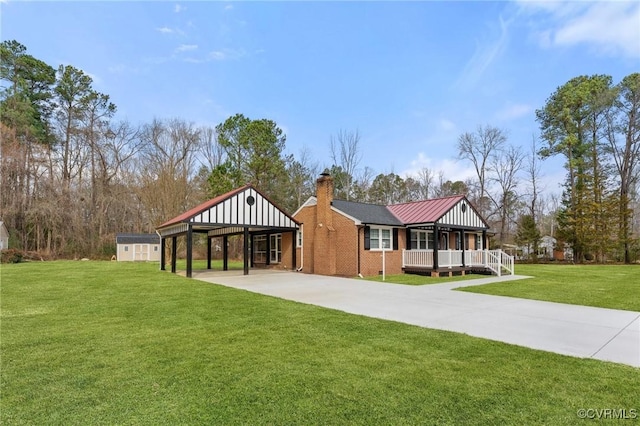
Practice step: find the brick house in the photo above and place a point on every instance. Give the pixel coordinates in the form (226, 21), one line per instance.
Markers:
(436, 237)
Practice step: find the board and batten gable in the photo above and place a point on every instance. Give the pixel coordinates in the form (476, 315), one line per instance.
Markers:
(463, 214)
(230, 213)
(237, 210)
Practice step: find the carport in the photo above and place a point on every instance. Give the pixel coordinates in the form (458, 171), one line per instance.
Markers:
(244, 211)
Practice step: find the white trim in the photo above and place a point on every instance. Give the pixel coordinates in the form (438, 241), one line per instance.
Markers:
(340, 212)
(381, 227)
(311, 201)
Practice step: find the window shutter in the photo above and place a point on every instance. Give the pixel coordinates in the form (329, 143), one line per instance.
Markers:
(395, 238)
(367, 238)
(408, 239)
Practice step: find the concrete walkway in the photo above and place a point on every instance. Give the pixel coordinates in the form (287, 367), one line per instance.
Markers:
(604, 334)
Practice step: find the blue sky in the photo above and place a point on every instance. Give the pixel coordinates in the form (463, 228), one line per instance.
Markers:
(409, 76)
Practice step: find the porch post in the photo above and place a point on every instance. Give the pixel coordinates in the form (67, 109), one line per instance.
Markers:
(464, 243)
(174, 252)
(209, 252)
(163, 255)
(267, 260)
(245, 251)
(436, 241)
(225, 253)
(189, 252)
(484, 239)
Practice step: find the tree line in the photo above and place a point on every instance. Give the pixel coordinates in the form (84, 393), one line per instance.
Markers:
(73, 175)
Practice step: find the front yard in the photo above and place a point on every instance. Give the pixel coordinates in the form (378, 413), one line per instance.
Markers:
(113, 343)
(604, 286)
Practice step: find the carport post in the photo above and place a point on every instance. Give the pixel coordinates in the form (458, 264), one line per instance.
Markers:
(163, 255)
(246, 251)
(174, 252)
(189, 252)
(225, 253)
(208, 252)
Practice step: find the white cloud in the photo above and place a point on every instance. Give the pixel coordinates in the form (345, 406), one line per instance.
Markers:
(178, 8)
(226, 54)
(228, 7)
(451, 169)
(165, 30)
(447, 125)
(485, 54)
(186, 47)
(609, 28)
(513, 111)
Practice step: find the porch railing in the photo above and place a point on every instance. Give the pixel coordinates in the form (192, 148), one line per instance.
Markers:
(496, 260)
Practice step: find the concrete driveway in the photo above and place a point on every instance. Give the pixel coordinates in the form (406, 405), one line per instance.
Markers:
(581, 331)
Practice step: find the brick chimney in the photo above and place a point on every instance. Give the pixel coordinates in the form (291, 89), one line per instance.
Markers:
(324, 257)
(324, 194)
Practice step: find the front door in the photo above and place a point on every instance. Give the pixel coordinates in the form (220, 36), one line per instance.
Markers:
(444, 241)
(141, 252)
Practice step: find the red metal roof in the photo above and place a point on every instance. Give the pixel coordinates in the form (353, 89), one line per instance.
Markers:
(184, 217)
(427, 211)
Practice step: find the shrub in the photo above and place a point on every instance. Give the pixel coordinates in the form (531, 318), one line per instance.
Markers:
(11, 256)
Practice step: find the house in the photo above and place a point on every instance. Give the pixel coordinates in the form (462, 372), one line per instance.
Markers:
(4, 236)
(137, 247)
(437, 237)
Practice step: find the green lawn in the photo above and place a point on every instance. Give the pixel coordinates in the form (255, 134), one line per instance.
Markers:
(605, 286)
(115, 343)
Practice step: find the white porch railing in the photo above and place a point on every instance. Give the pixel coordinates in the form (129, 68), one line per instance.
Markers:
(496, 260)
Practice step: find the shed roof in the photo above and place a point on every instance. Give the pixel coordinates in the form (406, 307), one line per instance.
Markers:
(123, 238)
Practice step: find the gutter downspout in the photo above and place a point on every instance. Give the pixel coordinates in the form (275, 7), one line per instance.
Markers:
(301, 249)
(359, 228)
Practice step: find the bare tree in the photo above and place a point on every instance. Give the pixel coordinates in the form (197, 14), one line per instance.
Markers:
(504, 169)
(479, 148)
(166, 166)
(426, 179)
(345, 152)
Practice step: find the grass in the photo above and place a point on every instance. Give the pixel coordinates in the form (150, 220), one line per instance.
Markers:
(115, 343)
(605, 286)
(414, 279)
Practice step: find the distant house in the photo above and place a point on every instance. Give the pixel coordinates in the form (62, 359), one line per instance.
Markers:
(137, 247)
(4, 236)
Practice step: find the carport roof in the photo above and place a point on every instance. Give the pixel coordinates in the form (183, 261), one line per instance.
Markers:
(230, 213)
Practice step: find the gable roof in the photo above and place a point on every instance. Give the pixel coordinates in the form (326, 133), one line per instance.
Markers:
(137, 239)
(230, 213)
(453, 210)
(370, 214)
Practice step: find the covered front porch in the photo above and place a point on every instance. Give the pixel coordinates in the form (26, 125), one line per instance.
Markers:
(437, 262)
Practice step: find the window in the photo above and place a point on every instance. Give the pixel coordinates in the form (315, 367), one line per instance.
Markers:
(421, 240)
(478, 242)
(126, 248)
(276, 248)
(155, 248)
(260, 249)
(380, 239)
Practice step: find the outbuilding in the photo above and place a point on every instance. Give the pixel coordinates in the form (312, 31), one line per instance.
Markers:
(137, 247)
(4, 236)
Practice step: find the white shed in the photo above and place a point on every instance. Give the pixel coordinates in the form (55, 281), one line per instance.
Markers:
(137, 247)
(4, 236)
